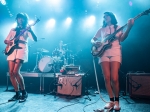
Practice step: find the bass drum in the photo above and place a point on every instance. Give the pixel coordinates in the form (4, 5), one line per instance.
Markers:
(45, 64)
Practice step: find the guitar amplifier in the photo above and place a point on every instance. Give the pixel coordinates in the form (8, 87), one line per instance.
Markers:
(72, 70)
(69, 85)
(139, 85)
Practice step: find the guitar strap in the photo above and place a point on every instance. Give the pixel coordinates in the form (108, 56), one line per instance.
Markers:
(17, 33)
(115, 27)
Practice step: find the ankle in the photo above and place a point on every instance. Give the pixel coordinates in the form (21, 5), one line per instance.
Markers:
(17, 93)
(24, 92)
(112, 99)
(117, 99)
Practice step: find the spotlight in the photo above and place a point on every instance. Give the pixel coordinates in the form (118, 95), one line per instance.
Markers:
(50, 23)
(3, 2)
(130, 3)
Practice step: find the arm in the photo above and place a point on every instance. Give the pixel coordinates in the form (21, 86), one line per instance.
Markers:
(129, 26)
(95, 38)
(7, 40)
(33, 35)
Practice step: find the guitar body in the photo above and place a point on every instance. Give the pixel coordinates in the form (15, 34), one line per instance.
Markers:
(99, 50)
(10, 48)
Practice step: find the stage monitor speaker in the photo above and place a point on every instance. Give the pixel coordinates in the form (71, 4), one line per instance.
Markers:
(69, 85)
(139, 85)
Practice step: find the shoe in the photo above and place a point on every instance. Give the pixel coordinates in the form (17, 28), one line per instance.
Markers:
(116, 106)
(23, 98)
(99, 110)
(15, 98)
(109, 105)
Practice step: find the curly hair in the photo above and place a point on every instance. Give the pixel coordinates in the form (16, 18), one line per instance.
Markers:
(113, 19)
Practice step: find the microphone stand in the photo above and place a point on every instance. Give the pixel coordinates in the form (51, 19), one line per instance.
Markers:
(55, 82)
(87, 93)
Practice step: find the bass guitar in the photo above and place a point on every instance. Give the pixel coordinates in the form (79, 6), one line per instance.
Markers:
(99, 48)
(10, 48)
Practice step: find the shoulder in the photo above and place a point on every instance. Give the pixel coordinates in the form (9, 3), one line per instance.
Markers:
(101, 29)
(13, 29)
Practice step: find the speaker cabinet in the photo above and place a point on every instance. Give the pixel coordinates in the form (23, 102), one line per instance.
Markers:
(69, 85)
(139, 85)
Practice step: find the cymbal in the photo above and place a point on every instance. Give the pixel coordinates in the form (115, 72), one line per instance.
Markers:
(68, 50)
(43, 50)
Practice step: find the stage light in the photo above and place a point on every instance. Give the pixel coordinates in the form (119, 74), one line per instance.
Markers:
(31, 22)
(90, 21)
(3, 2)
(14, 25)
(67, 22)
(50, 23)
(130, 3)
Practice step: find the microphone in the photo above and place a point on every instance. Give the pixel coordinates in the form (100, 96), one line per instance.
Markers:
(59, 85)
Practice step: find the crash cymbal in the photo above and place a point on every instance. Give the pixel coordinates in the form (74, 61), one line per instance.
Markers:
(43, 50)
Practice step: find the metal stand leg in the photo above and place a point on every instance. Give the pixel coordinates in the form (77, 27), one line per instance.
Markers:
(36, 66)
(7, 81)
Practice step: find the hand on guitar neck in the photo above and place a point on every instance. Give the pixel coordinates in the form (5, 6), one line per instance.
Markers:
(8, 42)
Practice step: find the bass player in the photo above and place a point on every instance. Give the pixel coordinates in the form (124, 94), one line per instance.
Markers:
(111, 59)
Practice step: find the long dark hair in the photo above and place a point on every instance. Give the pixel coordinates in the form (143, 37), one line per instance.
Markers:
(113, 19)
(24, 16)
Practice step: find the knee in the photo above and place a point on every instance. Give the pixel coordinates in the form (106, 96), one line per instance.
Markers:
(107, 79)
(15, 73)
(115, 81)
(11, 74)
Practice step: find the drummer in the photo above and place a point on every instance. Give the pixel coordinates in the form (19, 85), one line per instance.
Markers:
(59, 52)
(61, 48)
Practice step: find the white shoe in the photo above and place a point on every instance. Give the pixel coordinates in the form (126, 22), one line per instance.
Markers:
(116, 106)
(109, 105)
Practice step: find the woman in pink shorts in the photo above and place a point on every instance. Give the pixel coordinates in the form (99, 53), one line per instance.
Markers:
(111, 59)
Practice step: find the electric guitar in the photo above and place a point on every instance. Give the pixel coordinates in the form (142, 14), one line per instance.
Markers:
(99, 48)
(10, 48)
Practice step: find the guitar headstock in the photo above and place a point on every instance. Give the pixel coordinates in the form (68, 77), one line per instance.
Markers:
(146, 12)
(36, 21)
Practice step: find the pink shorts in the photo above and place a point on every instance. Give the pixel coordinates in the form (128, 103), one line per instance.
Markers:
(110, 59)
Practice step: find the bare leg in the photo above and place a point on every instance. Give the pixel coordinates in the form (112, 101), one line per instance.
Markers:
(18, 76)
(106, 72)
(115, 83)
(12, 76)
(115, 66)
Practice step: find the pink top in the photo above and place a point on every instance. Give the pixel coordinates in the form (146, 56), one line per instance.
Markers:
(19, 53)
(115, 50)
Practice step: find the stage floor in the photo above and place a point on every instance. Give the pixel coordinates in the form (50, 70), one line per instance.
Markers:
(60, 103)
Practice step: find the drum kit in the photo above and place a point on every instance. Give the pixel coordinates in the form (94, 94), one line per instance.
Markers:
(58, 58)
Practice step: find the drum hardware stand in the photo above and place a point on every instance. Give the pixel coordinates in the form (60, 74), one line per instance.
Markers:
(36, 66)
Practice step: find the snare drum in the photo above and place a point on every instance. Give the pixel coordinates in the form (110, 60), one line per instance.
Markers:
(45, 64)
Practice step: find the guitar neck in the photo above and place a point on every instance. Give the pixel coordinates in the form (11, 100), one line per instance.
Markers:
(113, 34)
(22, 32)
(121, 28)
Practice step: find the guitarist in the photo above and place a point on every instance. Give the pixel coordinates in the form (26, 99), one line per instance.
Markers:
(111, 59)
(19, 56)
